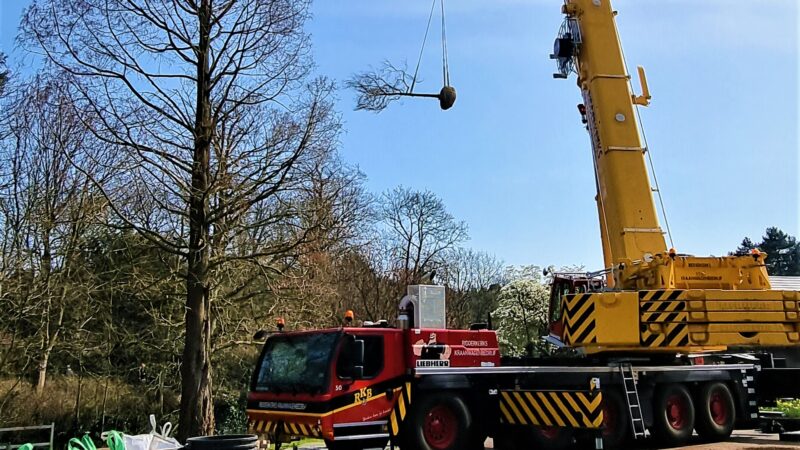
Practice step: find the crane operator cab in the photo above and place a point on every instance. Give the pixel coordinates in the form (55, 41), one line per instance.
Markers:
(567, 283)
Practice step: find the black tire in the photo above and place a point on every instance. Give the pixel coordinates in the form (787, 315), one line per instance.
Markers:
(673, 415)
(716, 412)
(438, 421)
(616, 419)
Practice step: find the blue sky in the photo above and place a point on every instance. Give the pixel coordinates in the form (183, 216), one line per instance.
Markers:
(511, 158)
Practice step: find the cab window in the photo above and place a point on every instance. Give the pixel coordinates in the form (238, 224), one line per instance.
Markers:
(373, 358)
(373, 355)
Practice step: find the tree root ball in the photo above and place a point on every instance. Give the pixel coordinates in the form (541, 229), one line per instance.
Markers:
(447, 97)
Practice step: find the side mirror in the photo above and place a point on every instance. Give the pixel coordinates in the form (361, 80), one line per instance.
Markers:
(260, 335)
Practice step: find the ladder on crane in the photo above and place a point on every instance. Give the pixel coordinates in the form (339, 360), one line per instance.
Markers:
(632, 400)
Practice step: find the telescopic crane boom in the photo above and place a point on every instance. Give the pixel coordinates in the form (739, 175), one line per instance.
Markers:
(660, 299)
(628, 217)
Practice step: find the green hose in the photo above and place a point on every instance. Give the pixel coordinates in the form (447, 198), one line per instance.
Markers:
(85, 443)
(114, 440)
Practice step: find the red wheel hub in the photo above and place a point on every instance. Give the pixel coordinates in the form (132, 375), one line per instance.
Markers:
(440, 428)
(719, 408)
(677, 410)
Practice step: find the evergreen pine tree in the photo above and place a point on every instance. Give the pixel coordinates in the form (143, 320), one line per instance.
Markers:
(783, 252)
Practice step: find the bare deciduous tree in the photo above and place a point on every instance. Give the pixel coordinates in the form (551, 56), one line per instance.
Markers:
(378, 88)
(470, 277)
(3, 73)
(419, 230)
(48, 207)
(371, 287)
(206, 103)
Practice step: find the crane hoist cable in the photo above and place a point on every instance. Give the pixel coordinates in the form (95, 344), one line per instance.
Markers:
(422, 50)
(378, 89)
(445, 61)
(445, 56)
(649, 154)
(447, 96)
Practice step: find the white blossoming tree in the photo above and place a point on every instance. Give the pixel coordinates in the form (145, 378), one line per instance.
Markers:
(521, 315)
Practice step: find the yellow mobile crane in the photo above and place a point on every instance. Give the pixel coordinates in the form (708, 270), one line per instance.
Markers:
(652, 298)
(639, 326)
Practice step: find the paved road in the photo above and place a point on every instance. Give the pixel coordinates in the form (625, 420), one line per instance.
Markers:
(749, 439)
(741, 440)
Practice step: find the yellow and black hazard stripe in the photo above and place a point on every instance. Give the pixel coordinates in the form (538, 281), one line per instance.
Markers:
(665, 335)
(400, 409)
(300, 429)
(263, 426)
(286, 428)
(552, 408)
(663, 311)
(579, 319)
(661, 295)
(664, 318)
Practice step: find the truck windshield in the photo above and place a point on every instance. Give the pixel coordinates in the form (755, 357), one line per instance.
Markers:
(295, 363)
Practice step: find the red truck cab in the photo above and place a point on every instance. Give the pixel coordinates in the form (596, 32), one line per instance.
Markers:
(350, 386)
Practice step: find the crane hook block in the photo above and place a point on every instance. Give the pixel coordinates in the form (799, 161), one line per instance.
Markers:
(447, 97)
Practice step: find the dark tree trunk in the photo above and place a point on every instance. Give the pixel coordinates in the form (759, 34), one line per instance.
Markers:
(196, 409)
(78, 395)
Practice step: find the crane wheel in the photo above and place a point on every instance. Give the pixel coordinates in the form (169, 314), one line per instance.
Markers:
(673, 415)
(438, 421)
(616, 419)
(716, 412)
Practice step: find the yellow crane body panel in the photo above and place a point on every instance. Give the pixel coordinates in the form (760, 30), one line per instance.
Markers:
(673, 271)
(678, 320)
